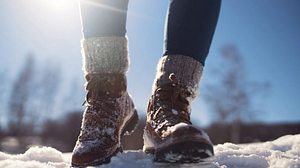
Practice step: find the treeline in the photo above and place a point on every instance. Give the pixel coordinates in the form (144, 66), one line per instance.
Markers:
(31, 96)
(62, 133)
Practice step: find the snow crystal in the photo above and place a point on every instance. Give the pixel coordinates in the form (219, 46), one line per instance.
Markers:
(281, 153)
(175, 112)
(177, 126)
(109, 131)
(172, 157)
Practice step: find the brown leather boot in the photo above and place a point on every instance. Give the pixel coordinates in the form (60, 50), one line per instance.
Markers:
(109, 112)
(169, 133)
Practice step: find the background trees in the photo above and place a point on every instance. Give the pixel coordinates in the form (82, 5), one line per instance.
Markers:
(231, 97)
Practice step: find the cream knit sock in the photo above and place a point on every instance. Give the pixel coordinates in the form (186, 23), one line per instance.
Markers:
(186, 69)
(105, 55)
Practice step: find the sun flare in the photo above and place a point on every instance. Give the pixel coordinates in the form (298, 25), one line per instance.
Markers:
(58, 4)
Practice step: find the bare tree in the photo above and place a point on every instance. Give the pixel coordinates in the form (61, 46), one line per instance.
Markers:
(19, 98)
(231, 97)
(2, 89)
(43, 92)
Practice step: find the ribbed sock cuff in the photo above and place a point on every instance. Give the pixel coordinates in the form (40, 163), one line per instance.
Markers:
(105, 55)
(186, 69)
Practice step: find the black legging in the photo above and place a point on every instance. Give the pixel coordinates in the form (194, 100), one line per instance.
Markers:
(190, 24)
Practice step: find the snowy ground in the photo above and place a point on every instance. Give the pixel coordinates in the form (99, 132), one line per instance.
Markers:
(283, 152)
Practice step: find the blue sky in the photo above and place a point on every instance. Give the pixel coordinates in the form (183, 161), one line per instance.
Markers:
(266, 33)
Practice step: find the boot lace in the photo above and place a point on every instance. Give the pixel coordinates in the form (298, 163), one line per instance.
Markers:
(169, 106)
(101, 104)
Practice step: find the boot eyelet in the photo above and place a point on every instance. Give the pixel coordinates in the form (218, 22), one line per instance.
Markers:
(153, 124)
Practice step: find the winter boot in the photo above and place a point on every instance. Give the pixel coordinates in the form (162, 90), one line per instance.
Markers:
(109, 112)
(169, 133)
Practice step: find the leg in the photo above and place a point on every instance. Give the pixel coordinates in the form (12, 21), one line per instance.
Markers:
(109, 109)
(169, 133)
(103, 18)
(190, 26)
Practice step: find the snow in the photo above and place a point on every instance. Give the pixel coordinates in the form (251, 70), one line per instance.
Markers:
(281, 153)
(34, 157)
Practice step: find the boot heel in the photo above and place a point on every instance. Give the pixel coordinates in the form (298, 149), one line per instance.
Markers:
(131, 124)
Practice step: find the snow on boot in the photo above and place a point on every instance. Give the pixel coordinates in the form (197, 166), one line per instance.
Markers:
(109, 112)
(169, 133)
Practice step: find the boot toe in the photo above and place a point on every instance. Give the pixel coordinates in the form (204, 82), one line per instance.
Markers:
(184, 143)
(181, 130)
(85, 156)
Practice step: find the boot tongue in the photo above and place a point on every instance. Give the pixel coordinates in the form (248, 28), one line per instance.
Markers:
(169, 105)
(104, 86)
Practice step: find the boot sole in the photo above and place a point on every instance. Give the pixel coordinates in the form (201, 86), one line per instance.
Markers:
(184, 152)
